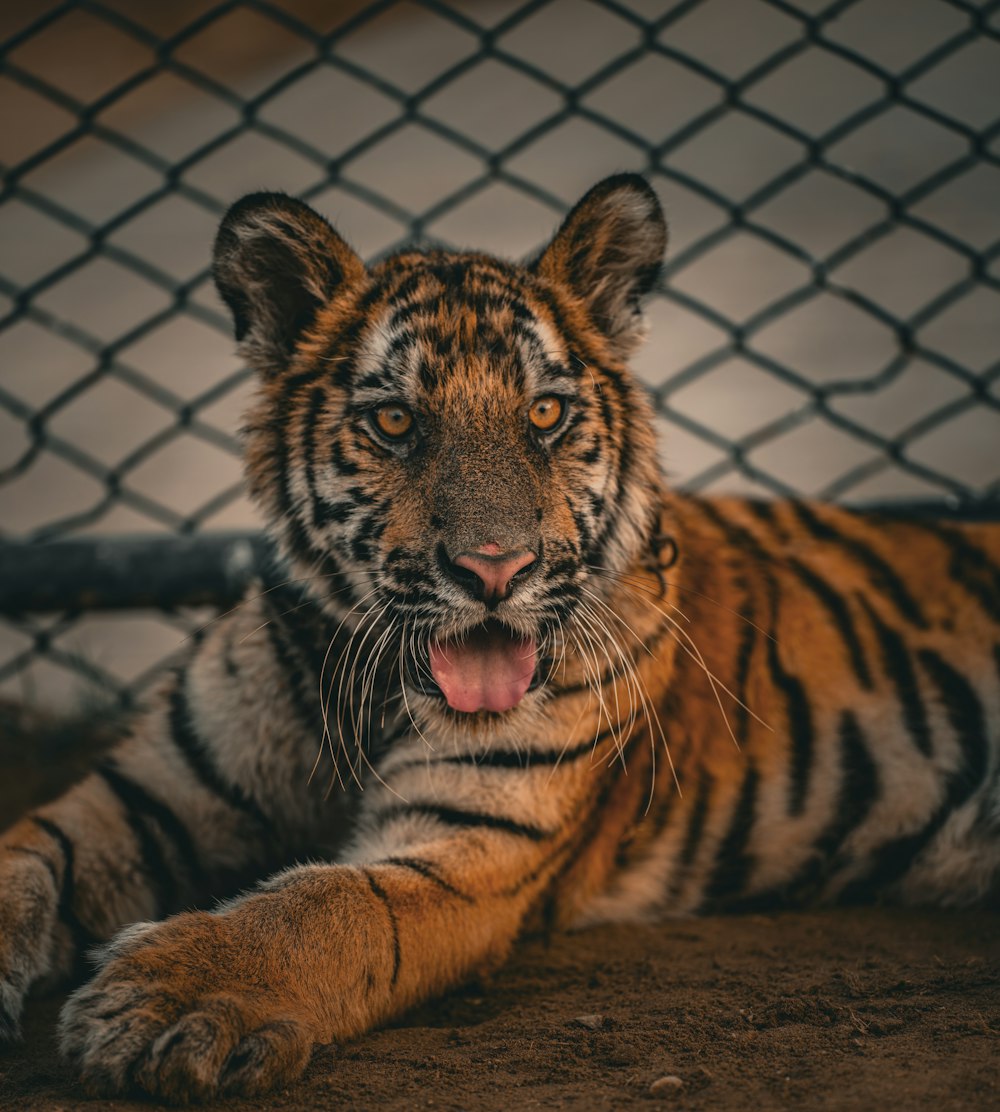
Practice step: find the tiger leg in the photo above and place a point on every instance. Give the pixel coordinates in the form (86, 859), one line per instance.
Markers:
(231, 1002)
(187, 808)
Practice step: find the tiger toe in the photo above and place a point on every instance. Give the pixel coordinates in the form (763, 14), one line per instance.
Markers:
(273, 1055)
(105, 1032)
(186, 1060)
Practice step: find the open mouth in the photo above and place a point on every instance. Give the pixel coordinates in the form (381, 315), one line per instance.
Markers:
(488, 668)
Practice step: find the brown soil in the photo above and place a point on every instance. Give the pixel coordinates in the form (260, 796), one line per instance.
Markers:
(860, 1009)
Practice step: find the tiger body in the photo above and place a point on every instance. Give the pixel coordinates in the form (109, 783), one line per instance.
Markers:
(730, 704)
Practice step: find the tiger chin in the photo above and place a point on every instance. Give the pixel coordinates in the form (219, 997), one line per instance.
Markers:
(497, 676)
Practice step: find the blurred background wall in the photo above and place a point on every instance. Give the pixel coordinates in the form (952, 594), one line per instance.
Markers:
(828, 323)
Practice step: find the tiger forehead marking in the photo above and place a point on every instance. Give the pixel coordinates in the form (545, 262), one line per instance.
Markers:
(467, 337)
(457, 308)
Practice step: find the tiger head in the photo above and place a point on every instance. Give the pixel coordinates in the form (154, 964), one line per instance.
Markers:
(446, 443)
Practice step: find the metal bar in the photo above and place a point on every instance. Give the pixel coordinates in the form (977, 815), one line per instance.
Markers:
(124, 573)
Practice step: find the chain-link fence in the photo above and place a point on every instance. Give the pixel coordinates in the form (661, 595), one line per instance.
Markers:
(828, 323)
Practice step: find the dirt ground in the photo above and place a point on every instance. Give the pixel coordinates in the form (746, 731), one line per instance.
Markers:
(859, 1009)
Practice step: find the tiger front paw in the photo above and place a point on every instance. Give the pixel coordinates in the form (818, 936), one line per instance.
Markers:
(180, 1011)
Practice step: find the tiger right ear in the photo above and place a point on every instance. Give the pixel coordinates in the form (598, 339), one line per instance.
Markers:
(276, 262)
(608, 252)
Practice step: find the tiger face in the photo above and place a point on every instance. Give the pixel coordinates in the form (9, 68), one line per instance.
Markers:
(447, 443)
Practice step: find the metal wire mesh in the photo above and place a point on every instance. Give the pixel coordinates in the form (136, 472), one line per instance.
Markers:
(828, 322)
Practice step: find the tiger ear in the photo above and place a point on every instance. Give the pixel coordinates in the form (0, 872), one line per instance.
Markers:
(609, 251)
(275, 263)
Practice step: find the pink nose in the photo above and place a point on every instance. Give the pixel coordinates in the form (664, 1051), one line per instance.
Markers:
(493, 569)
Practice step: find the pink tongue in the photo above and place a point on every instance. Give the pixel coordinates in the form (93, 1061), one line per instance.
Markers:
(489, 669)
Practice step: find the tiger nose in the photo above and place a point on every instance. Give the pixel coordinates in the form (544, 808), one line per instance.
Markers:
(488, 571)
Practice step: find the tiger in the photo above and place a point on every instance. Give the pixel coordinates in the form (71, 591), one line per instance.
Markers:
(498, 678)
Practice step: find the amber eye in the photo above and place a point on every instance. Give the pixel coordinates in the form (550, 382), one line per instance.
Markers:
(394, 421)
(546, 412)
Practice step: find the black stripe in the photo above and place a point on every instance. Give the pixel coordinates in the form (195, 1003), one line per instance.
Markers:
(503, 758)
(745, 542)
(340, 462)
(424, 868)
(647, 823)
(323, 562)
(744, 657)
(512, 758)
(891, 860)
(193, 749)
(326, 366)
(83, 938)
(137, 801)
(733, 861)
(330, 365)
(800, 729)
(839, 611)
(587, 356)
(382, 895)
(594, 553)
(297, 606)
(879, 570)
(299, 634)
(451, 816)
(640, 821)
(694, 832)
(965, 713)
(668, 799)
(308, 712)
(970, 567)
(583, 826)
(859, 787)
(228, 661)
(832, 601)
(763, 510)
(278, 426)
(154, 865)
(898, 666)
(797, 707)
(968, 720)
(858, 792)
(320, 509)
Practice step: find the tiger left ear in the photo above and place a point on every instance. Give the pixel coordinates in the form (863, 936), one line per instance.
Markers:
(609, 251)
(276, 262)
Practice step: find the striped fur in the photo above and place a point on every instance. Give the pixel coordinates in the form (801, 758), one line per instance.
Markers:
(736, 704)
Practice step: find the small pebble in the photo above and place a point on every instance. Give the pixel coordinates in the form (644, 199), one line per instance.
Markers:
(665, 1086)
(594, 1022)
